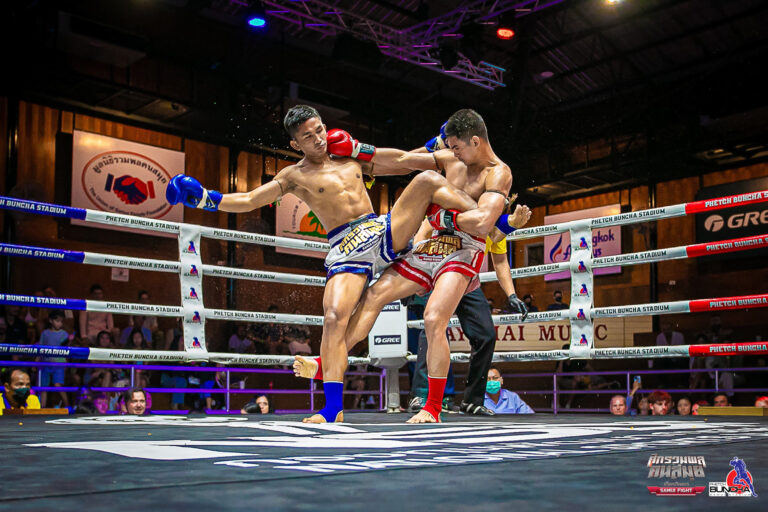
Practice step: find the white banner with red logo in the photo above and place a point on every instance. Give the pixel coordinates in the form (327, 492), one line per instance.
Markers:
(118, 176)
(606, 241)
(294, 219)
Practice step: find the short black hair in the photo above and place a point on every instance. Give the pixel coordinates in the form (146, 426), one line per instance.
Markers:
(95, 287)
(56, 313)
(465, 124)
(298, 115)
(557, 291)
(128, 394)
(7, 374)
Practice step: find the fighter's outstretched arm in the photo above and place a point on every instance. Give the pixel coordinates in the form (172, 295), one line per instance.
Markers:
(391, 162)
(246, 201)
(187, 190)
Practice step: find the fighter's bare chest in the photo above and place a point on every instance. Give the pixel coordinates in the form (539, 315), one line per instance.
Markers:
(331, 182)
(471, 183)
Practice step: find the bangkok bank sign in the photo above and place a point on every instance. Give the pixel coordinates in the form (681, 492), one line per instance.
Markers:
(119, 176)
(606, 241)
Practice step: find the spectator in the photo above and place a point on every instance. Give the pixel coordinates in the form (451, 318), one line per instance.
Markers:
(274, 336)
(15, 328)
(137, 323)
(558, 304)
(137, 340)
(91, 322)
(620, 405)
(528, 299)
(684, 406)
(659, 403)
(761, 401)
(16, 390)
(698, 380)
(502, 401)
(668, 336)
(643, 408)
(174, 338)
(54, 336)
(134, 402)
(695, 407)
(150, 322)
(721, 400)
(239, 342)
(214, 400)
(259, 405)
(298, 339)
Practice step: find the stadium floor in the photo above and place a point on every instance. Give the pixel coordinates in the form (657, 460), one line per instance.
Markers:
(372, 462)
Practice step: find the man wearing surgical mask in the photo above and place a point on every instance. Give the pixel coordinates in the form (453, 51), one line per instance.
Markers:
(16, 392)
(503, 401)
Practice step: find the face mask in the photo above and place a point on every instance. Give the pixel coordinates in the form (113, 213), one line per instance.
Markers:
(20, 395)
(492, 387)
(558, 299)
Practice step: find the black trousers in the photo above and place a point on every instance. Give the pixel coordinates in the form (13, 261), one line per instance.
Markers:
(477, 324)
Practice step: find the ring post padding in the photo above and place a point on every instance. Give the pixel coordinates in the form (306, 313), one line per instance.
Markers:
(387, 348)
(582, 289)
(191, 279)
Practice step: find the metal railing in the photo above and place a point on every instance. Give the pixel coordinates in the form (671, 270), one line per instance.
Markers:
(227, 391)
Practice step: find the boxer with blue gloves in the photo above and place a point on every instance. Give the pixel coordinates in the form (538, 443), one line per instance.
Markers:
(362, 243)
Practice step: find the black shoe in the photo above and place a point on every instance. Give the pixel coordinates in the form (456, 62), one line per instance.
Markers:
(416, 404)
(476, 410)
(448, 406)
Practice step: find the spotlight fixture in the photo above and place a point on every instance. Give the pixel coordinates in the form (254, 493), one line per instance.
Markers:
(505, 30)
(255, 16)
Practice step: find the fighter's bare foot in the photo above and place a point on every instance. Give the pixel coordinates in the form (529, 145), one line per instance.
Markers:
(318, 418)
(423, 417)
(305, 367)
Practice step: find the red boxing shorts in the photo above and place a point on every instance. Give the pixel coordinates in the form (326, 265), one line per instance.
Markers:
(444, 252)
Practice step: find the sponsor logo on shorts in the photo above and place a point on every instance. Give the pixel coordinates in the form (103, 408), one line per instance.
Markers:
(441, 245)
(362, 237)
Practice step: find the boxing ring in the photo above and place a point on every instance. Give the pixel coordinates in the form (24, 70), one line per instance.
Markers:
(218, 462)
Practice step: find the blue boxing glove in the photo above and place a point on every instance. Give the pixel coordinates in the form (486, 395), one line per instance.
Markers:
(187, 190)
(438, 142)
(503, 224)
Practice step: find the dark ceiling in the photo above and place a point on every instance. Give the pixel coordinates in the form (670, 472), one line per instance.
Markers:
(596, 94)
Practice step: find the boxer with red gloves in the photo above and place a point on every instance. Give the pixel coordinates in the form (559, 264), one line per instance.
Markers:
(470, 164)
(362, 243)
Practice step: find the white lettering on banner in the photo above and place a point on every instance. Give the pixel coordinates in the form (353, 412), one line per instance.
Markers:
(294, 446)
(738, 348)
(725, 201)
(738, 302)
(37, 207)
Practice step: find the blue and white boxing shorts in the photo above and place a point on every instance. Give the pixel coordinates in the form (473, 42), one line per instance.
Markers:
(363, 246)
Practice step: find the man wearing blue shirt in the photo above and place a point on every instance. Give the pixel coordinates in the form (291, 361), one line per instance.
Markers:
(503, 401)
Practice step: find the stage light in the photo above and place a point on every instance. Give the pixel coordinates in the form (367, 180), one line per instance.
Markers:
(256, 17)
(505, 28)
(505, 33)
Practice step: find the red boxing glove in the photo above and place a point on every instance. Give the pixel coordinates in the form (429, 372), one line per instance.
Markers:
(341, 143)
(441, 218)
